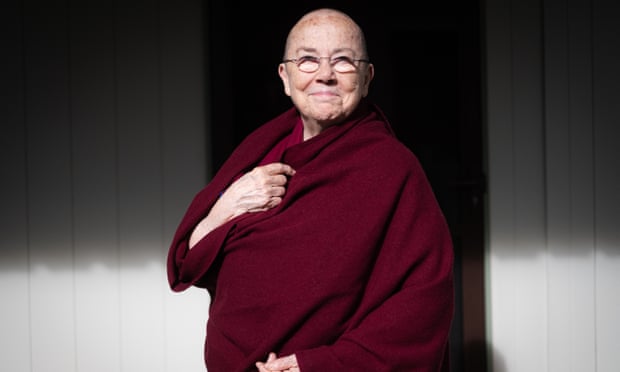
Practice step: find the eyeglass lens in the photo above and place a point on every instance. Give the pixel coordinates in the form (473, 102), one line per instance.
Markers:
(312, 64)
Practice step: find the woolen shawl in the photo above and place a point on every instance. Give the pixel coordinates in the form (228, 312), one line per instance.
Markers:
(351, 272)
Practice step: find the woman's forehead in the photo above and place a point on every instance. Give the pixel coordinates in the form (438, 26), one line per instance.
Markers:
(325, 50)
(323, 35)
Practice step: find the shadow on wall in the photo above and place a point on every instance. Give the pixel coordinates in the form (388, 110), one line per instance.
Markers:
(473, 363)
(562, 247)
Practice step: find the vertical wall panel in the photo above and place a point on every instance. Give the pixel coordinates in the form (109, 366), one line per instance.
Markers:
(500, 219)
(49, 187)
(569, 156)
(183, 99)
(140, 185)
(606, 56)
(95, 186)
(529, 261)
(516, 195)
(558, 179)
(14, 278)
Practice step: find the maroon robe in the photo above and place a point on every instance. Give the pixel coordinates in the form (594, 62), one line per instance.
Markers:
(351, 272)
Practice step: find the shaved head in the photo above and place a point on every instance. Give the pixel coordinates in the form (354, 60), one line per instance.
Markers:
(327, 16)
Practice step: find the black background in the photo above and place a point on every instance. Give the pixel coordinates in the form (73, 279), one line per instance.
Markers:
(427, 59)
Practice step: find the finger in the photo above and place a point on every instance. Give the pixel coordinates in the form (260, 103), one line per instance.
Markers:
(278, 180)
(276, 191)
(261, 365)
(284, 363)
(273, 201)
(279, 168)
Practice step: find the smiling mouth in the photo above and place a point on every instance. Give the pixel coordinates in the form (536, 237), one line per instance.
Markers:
(324, 95)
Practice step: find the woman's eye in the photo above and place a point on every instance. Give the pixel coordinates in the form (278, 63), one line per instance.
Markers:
(307, 59)
(342, 59)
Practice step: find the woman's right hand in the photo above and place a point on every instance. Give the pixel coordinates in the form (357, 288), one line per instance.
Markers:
(258, 190)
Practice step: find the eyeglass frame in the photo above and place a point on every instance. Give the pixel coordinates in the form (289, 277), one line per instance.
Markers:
(298, 61)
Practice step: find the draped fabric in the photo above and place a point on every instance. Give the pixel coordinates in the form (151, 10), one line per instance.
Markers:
(351, 272)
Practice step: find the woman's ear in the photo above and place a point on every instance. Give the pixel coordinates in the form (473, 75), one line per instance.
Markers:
(370, 74)
(285, 80)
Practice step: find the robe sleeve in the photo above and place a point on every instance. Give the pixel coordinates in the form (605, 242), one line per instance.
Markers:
(404, 319)
(187, 267)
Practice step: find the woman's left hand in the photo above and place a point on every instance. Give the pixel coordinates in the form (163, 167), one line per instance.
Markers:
(283, 364)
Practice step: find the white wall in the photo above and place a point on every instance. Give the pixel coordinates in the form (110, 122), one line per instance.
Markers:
(102, 146)
(553, 109)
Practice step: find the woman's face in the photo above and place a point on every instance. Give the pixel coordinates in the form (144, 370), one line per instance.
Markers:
(326, 96)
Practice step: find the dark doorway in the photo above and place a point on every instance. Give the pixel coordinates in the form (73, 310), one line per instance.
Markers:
(428, 82)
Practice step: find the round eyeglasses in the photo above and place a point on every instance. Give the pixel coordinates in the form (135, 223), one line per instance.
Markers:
(340, 64)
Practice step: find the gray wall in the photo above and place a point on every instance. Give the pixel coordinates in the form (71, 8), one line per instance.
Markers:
(553, 116)
(103, 144)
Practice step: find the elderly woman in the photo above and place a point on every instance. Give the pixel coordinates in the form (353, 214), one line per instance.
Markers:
(320, 241)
